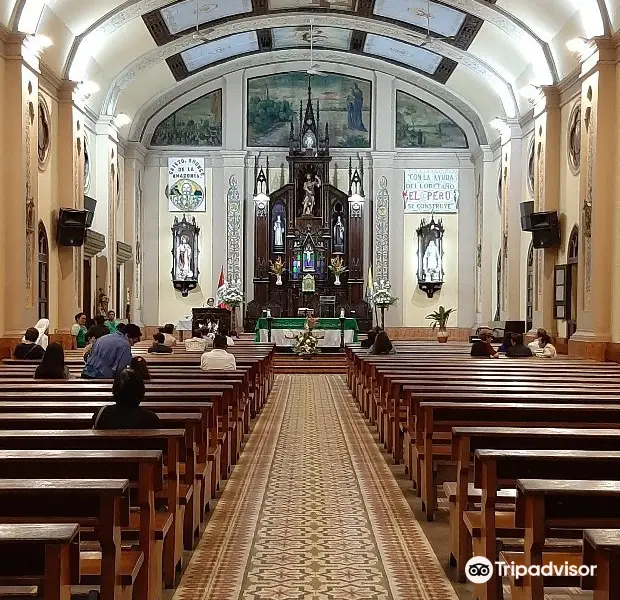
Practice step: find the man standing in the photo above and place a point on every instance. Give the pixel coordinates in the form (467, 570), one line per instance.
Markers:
(111, 353)
(111, 323)
(78, 331)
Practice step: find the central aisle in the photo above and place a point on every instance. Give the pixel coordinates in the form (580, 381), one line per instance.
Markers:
(313, 512)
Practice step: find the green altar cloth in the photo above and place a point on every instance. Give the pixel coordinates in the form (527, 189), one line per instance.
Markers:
(296, 323)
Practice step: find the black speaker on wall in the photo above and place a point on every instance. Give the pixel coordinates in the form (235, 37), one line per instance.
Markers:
(90, 204)
(545, 229)
(71, 227)
(526, 209)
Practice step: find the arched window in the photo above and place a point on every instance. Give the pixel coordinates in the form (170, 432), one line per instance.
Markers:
(529, 299)
(499, 286)
(43, 273)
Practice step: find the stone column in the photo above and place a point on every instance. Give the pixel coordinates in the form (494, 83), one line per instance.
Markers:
(598, 171)
(548, 125)
(18, 210)
(70, 194)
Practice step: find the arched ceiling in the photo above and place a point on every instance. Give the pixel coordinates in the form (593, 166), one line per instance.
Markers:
(481, 51)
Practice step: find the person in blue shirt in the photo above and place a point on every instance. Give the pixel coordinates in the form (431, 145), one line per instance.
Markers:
(507, 343)
(111, 353)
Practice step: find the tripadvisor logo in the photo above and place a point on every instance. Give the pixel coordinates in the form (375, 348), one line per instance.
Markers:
(479, 569)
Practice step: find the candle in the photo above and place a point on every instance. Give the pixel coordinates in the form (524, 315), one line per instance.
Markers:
(342, 313)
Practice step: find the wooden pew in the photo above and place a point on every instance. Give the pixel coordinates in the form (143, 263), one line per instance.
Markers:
(43, 555)
(601, 548)
(100, 505)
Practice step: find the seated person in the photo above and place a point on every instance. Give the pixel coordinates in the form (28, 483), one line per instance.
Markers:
(535, 345)
(370, 339)
(159, 345)
(128, 391)
(78, 331)
(382, 344)
(218, 358)
(53, 364)
(111, 323)
(28, 348)
(518, 350)
(111, 353)
(168, 331)
(138, 364)
(507, 343)
(547, 349)
(196, 343)
(482, 348)
(97, 330)
(224, 331)
(42, 326)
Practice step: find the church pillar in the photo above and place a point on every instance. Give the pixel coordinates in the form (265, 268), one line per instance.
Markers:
(18, 210)
(598, 113)
(547, 123)
(511, 222)
(70, 194)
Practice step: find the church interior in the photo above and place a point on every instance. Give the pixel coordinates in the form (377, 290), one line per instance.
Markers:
(368, 208)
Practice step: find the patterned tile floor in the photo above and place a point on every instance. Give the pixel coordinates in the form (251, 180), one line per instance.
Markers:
(312, 512)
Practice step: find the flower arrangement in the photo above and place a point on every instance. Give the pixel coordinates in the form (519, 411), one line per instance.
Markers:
(231, 294)
(381, 295)
(337, 266)
(306, 343)
(277, 267)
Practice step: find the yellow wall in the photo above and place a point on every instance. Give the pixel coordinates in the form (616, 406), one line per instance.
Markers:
(2, 174)
(415, 303)
(172, 306)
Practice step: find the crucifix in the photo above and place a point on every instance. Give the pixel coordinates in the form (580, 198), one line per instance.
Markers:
(308, 258)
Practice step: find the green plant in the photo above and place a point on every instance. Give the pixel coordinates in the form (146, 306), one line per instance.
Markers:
(440, 317)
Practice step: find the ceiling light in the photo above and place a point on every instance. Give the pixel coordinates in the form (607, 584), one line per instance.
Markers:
(121, 119)
(577, 45)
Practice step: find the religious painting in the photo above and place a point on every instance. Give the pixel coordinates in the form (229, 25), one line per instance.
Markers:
(198, 123)
(345, 104)
(322, 37)
(185, 254)
(347, 5)
(420, 125)
(186, 184)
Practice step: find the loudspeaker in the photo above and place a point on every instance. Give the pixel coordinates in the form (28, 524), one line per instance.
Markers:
(71, 227)
(90, 204)
(545, 229)
(526, 209)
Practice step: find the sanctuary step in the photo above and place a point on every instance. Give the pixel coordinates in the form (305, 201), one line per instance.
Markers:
(319, 363)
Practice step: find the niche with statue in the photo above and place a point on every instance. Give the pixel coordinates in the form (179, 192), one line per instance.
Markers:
(430, 256)
(185, 255)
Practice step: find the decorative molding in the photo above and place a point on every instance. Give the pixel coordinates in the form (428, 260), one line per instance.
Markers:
(382, 232)
(94, 242)
(590, 121)
(234, 222)
(149, 111)
(124, 253)
(29, 202)
(479, 67)
(573, 140)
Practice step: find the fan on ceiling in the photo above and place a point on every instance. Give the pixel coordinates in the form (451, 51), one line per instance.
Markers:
(313, 70)
(429, 39)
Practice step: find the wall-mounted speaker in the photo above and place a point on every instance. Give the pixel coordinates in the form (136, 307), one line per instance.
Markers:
(71, 227)
(90, 204)
(545, 229)
(526, 209)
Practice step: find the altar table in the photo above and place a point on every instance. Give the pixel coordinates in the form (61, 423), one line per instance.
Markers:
(328, 328)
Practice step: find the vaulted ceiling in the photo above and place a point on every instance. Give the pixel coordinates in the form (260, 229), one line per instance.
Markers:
(477, 52)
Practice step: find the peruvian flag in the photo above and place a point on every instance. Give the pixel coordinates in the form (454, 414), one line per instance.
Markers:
(220, 285)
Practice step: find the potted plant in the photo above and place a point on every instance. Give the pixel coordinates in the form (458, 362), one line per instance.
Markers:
(440, 319)
(337, 268)
(277, 268)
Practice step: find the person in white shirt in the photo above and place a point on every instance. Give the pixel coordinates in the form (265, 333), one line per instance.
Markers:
(535, 345)
(546, 349)
(169, 339)
(196, 343)
(224, 331)
(218, 358)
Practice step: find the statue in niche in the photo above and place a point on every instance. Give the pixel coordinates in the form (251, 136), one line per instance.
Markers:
(309, 141)
(308, 253)
(310, 186)
(431, 263)
(102, 302)
(278, 233)
(339, 235)
(184, 259)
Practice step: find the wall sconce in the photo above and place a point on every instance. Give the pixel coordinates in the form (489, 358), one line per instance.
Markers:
(430, 256)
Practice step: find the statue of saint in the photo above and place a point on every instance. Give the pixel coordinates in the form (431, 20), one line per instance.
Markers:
(310, 186)
(339, 235)
(308, 141)
(308, 264)
(184, 257)
(431, 263)
(278, 233)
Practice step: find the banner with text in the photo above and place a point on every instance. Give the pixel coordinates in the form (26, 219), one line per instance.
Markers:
(431, 191)
(186, 184)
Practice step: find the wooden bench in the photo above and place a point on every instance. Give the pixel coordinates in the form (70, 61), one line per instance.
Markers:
(601, 548)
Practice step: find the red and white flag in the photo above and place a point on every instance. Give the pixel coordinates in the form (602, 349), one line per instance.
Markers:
(220, 285)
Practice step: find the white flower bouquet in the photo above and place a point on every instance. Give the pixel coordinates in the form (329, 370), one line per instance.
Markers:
(381, 295)
(306, 343)
(231, 294)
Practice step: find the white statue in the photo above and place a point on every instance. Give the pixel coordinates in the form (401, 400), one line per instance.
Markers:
(308, 141)
(431, 263)
(339, 233)
(278, 233)
(184, 258)
(310, 186)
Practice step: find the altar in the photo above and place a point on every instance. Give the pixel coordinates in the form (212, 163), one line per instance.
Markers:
(328, 330)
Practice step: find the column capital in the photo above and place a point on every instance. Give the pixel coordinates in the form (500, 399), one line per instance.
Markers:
(597, 52)
(135, 151)
(548, 99)
(233, 158)
(383, 160)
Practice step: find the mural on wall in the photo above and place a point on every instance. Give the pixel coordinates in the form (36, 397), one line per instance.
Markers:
(345, 103)
(198, 123)
(419, 125)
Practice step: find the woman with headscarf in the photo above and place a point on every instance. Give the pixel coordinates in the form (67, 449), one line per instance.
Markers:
(42, 326)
